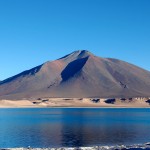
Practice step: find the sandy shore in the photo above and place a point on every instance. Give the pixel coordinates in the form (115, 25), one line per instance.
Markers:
(76, 102)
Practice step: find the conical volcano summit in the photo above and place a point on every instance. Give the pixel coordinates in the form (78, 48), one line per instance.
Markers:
(77, 75)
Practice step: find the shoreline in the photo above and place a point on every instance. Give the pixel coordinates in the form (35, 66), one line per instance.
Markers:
(119, 147)
(115, 107)
(76, 103)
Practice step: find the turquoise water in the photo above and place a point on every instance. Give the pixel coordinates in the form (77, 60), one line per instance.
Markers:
(67, 127)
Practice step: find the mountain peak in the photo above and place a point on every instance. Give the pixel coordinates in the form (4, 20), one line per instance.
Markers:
(83, 52)
(79, 74)
(77, 55)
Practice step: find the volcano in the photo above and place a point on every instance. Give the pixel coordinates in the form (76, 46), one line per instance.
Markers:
(79, 74)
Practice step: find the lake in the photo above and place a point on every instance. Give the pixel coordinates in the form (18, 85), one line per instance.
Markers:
(73, 127)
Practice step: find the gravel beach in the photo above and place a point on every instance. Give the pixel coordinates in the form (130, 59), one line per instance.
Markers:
(118, 147)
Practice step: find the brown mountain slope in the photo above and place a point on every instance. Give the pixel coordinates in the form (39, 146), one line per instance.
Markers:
(79, 74)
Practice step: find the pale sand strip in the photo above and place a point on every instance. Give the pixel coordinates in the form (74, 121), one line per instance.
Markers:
(75, 103)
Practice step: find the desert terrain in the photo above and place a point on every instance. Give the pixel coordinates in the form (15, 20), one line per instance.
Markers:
(106, 82)
(77, 102)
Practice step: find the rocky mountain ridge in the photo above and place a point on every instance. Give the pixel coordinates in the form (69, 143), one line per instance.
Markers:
(79, 74)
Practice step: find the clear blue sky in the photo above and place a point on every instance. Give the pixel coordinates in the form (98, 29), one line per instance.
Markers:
(35, 31)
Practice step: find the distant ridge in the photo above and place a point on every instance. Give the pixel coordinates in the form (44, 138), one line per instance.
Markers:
(79, 74)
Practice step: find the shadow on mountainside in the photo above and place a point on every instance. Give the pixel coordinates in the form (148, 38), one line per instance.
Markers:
(73, 68)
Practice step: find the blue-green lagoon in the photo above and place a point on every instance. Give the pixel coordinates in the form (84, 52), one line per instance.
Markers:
(73, 127)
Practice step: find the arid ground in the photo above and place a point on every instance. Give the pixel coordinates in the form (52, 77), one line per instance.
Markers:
(76, 102)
